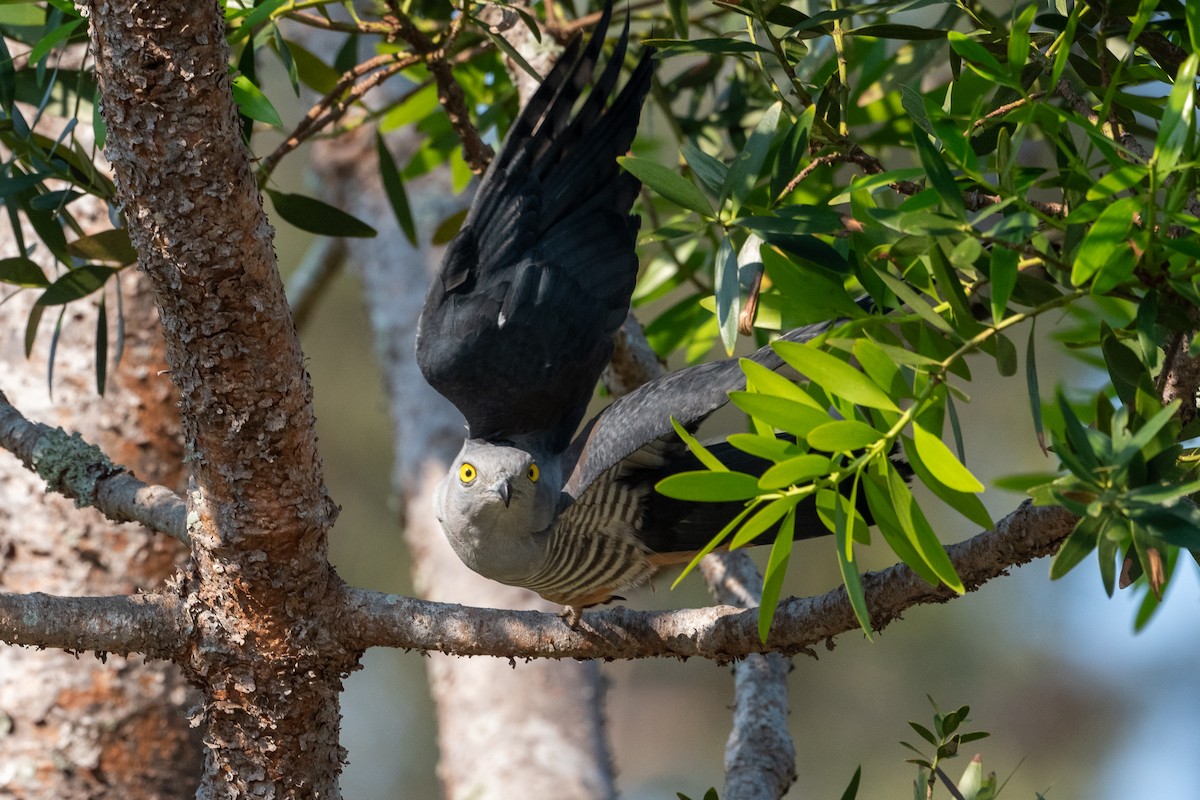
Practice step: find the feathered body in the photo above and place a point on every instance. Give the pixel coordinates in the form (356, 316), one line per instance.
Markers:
(516, 330)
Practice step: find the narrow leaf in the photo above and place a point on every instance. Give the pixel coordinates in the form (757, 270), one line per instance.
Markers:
(703, 486)
(842, 436)
(669, 184)
(253, 104)
(942, 463)
(315, 216)
(834, 375)
(22, 272)
(393, 186)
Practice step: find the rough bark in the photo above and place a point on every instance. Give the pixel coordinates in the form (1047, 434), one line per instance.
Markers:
(258, 510)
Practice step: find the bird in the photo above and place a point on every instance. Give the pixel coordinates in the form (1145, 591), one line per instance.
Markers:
(515, 331)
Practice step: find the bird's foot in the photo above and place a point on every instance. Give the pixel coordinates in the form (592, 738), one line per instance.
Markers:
(572, 615)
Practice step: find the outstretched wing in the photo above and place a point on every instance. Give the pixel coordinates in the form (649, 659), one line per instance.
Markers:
(638, 424)
(518, 323)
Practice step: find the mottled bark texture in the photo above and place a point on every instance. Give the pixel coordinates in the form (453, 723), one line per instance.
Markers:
(536, 731)
(259, 513)
(73, 726)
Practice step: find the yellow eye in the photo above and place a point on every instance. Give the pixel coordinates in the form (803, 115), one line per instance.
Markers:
(534, 473)
(466, 473)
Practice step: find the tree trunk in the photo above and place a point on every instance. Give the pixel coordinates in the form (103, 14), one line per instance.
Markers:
(75, 726)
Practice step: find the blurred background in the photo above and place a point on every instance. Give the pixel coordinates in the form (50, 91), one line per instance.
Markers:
(1077, 705)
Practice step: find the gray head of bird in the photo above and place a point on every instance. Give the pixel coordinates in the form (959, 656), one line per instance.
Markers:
(493, 499)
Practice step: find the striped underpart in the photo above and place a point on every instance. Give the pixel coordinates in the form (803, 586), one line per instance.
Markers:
(593, 546)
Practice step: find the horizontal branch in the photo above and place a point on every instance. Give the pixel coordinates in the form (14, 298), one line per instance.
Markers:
(150, 624)
(81, 471)
(721, 633)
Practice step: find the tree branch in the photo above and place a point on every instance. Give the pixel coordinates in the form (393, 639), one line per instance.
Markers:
(722, 633)
(81, 471)
(150, 624)
(760, 755)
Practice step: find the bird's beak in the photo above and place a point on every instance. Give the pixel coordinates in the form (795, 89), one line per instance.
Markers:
(505, 491)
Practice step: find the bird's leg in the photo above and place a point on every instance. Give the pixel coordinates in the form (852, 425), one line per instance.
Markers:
(572, 615)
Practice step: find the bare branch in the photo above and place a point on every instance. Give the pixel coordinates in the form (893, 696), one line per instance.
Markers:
(720, 633)
(334, 105)
(760, 755)
(150, 624)
(81, 471)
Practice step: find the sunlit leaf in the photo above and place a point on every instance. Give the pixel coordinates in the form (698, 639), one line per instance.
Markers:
(834, 375)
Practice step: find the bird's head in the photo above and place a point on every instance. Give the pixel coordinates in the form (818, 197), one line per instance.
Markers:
(496, 492)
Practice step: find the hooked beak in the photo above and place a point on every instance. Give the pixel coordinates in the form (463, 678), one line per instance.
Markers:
(504, 490)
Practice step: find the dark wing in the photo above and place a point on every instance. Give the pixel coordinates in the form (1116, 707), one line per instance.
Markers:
(518, 323)
(642, 418)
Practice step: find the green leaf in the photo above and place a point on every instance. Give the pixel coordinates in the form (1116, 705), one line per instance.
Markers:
(1078, 544)
(796, 470)
(1031, 384)
(669, 184)
(777, 563)
(448, 228)
(934, 453)
(702, 453)
(939, 175)
(771, 448)
(1105, 238)
(758, 524)
(315, 216)
(678, 10)
(850, 577)
(704, 486)
(1179, 119)
(77, 283)
(54, 37)
(843, 435)
(284, 51)
(22, 272)
(881, 368)
(761, 379)
(1018, 41)
(253, 104)
(880, 503)
(778, 412)
(852, 788)
(708, 169)
(312, 71)
(678, 47)
(393, 187)
(111, 246)
(976, 55)
(251, 18)
(1003, 274)
(746, 168)
(834, 375)
(101, 346)
(965, 503)
(919, 532)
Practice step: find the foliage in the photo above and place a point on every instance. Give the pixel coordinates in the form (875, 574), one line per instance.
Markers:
(966, 172)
